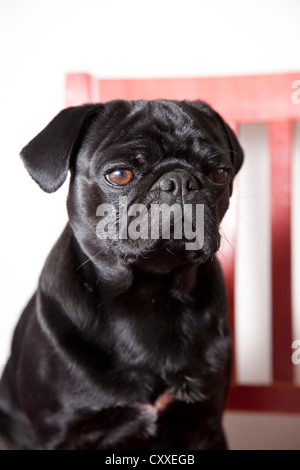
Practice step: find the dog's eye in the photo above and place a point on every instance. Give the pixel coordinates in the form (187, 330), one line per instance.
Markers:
(219, 176)
(119, 177)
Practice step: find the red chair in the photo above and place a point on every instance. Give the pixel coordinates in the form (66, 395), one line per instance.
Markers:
(240, 100)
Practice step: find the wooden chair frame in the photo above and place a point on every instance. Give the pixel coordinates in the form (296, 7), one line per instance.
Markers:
(268, 99)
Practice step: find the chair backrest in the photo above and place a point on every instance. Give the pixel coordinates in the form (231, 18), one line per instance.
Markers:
(240, 100)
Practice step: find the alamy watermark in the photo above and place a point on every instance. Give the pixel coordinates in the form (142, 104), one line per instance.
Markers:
(296, 354)
(296, 93)
(136, 221)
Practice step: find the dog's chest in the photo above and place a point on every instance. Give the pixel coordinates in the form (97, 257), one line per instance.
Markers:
(160, 341)
(157, 331)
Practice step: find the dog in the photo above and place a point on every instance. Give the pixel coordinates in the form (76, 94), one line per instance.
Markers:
(125, 344)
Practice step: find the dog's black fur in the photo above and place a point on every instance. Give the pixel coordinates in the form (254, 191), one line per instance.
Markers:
(125, 344)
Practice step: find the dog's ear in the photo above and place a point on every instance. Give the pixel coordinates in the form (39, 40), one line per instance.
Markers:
(209, 117)
(236, 151)
(48, 155)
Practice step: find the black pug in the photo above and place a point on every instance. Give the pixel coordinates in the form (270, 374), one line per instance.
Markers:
(125, 344)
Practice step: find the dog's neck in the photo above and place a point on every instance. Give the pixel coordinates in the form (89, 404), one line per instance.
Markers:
(112, 276)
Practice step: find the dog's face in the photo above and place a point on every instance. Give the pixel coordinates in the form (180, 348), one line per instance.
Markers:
(134, 163)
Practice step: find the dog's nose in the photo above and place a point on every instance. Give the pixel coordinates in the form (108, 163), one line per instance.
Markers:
(177, 182)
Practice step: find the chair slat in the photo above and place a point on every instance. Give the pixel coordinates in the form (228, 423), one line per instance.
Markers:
(278, 397)
(280, 142)
(243, 99)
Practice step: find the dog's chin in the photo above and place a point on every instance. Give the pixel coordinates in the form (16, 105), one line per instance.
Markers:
(168, 255)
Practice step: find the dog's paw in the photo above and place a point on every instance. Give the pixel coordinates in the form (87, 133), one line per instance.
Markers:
(113, 427)
(147, 417)
(188, 389)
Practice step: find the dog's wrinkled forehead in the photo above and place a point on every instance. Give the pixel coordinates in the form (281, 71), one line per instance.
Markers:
(173, 129)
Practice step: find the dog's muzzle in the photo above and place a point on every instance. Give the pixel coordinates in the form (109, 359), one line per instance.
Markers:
(176, 186)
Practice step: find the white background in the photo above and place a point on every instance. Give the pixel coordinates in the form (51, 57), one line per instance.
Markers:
(42, 40)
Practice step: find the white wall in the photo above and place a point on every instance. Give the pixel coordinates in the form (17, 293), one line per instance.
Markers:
(253, 260)
(40, 41)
